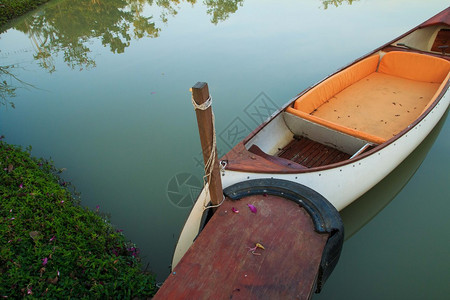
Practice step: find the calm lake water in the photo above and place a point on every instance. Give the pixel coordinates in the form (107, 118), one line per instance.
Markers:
(110, 102)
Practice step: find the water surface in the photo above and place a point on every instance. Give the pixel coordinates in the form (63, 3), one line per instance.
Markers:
(111, 104)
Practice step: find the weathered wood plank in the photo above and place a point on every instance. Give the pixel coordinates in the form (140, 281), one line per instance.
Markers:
(205, 119)
(285, 152)
(310, 153)
(292, 151)
(311, 156)
(316, 161)
(304, 147)
(332, 157)
(219, 264)
(442, 39)
(304, 155)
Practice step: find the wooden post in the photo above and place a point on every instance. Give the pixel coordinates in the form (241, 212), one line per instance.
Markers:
(200, 94)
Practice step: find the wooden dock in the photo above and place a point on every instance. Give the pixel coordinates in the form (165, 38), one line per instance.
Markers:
(222, 265)
(269, 239)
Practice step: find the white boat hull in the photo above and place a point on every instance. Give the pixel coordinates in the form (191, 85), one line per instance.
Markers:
(344, 184)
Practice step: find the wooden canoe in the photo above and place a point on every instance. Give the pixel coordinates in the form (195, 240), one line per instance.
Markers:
(343, 135)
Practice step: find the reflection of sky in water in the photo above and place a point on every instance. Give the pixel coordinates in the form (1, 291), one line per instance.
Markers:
(125, 127)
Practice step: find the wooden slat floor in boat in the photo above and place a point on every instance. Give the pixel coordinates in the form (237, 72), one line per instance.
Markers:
(311, 154)
(219, 264)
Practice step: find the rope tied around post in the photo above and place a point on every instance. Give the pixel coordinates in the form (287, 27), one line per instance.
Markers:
(204, 106)
(211, 158)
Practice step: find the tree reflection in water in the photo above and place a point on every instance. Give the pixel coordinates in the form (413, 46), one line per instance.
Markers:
(221, 9)
(336, 3)
(9, 83)
(6, 89)
(68, 27)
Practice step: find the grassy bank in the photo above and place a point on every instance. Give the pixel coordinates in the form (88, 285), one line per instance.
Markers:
(10, 9)
(51, 246)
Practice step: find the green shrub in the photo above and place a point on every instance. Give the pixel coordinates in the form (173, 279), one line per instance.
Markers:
(51, 246)
(10, 9)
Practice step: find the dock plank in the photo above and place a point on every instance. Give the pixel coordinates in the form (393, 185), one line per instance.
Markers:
(219, 264)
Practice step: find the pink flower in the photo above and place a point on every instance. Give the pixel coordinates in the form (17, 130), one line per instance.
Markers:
(54, 237)
(133, 251)
(252, 208)
(234, 210)
(44, 261)
(21, 186)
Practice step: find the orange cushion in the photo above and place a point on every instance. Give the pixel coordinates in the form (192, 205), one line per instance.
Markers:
(441, 87)
(356, 133)
(321, 93)
(414, 66)
(406, 65)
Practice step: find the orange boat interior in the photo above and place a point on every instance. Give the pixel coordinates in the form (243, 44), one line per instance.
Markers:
(376, 98)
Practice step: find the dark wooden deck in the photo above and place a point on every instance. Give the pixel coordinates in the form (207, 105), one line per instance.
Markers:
(311, 154)
(219, 264)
